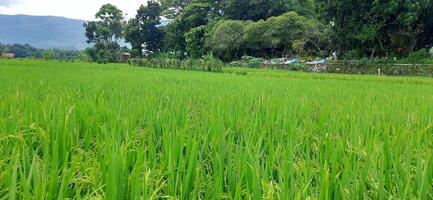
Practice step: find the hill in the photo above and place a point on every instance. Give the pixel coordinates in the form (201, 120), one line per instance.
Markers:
(43, 31)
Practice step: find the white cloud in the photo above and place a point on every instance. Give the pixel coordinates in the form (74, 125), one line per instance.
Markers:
(79, 9)
(6, 3)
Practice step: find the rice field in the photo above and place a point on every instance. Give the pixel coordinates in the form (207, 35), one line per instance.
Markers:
(88, 131)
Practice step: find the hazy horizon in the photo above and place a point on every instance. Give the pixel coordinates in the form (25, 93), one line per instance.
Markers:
(67, 8)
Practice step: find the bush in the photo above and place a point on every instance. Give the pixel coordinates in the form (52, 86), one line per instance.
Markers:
(418, 56)
(385, 69)
(352, 55)
(248, 61)
(104, 52)
(431, 52)
(208, 64)
(290, 67)
(169, 55)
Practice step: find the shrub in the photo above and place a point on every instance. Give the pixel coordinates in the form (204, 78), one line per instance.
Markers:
(169, 55)
(385, 69)
(352, 55)
(419, 55)
(248, 61)
(431, 52)
(207, 64)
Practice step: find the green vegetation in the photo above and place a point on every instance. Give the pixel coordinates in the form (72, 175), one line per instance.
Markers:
(363, 66)
(27, 51)
(106, 33)
(379, 28)
(231, 29)
(209, 64)
(277, 36)
(88, 131)
(142, 31)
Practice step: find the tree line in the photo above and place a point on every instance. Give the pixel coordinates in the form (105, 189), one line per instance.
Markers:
(28, 51)
(230, 29)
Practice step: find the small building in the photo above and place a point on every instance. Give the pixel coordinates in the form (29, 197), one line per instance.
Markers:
(124, 57)
(7, 55)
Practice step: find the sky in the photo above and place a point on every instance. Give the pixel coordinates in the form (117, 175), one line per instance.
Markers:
(76, 9)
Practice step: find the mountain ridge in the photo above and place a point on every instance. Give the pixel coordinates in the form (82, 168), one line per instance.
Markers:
(45, 32)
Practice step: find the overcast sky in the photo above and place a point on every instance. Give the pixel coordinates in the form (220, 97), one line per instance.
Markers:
(77, 9)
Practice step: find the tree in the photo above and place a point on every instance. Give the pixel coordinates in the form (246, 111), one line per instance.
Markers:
(195, 41)
(258, 38)
(173, 8)
(48, 55)
(286, 34)
(191, 14)
(227, 39)
(405, 23)
(104, 53)
(306, 8)
(142, 31)
(105, 33)
(254, 9)
(24, 51)
(195, 14)
(107, 27)
(286, 29)
(379, 27)
(174, 36)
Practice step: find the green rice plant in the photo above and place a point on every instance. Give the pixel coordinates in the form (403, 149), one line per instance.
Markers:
(89, 131)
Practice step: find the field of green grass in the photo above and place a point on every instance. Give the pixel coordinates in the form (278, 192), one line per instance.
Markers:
(89, 131)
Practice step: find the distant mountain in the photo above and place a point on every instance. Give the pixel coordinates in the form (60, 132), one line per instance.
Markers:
(43, 31)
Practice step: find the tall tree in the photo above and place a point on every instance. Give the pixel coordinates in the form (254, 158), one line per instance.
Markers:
(227, 39)
(143, 31)
(173, 8)
(254, 9)
(105, 33)
(378, 27)
(306, 8)
(197, 13)
(195, 41)
(107, 27)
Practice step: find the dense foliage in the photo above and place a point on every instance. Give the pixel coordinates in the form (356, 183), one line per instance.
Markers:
(142, 31)
(208, 65)
(277, 36)
(274, 28)
(106, 33)
(379, 28)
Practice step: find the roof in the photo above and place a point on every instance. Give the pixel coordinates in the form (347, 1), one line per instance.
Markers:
(8, 55)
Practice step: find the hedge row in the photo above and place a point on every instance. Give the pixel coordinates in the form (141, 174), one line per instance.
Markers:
(190, 65)
(372, 69)
(213, 65)
(382, 69)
